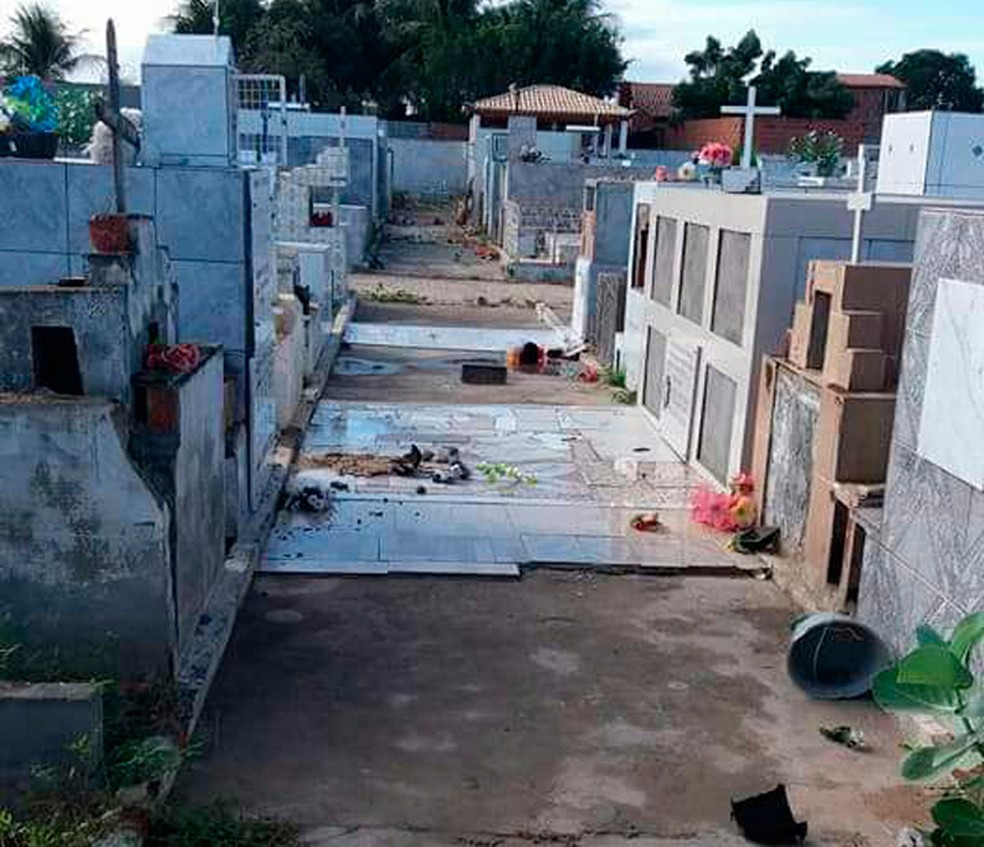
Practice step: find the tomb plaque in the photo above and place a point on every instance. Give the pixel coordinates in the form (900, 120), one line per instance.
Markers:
(682, 362)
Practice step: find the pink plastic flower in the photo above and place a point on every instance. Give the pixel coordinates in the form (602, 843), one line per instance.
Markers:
(715, 154)
(743, 483)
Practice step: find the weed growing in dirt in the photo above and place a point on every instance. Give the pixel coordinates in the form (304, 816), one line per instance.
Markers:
(215, 824)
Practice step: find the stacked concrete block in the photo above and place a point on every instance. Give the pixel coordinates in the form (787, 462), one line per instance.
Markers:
(850, 324)
(843, 363)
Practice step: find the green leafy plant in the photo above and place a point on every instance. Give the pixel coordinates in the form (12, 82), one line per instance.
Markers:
(615, 377)
(935, 679)
(75, 115)
(501, 472)
(146, 760)
(820, 148)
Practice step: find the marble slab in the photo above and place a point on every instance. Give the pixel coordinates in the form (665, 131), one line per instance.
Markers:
(953, 402)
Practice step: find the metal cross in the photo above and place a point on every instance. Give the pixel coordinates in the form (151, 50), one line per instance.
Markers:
(119, 126)
(749, 110)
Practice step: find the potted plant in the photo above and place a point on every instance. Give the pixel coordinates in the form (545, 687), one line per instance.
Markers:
(821, 150)
(936, 680)
(109, 232)
(28, 120)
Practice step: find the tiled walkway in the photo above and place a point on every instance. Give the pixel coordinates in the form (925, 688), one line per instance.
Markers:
(594, 468)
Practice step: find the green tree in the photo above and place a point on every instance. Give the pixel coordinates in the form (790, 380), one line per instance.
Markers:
(719, 77)
(340, 47)
(935, 80)
(236, 18)
(800, 92)
(565, 42)
(41, 44)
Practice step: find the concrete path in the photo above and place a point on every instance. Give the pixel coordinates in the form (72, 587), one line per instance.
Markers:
(568, 706)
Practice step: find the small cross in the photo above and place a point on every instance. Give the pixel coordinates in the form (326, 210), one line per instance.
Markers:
(749, 111)
(120, 127)
(859, 202)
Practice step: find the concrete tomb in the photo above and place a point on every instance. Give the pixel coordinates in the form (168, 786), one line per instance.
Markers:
(112, 475)
(604, 249)
(924, 556)
(713, 282)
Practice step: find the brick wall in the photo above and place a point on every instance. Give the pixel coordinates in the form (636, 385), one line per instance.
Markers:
(772, 135)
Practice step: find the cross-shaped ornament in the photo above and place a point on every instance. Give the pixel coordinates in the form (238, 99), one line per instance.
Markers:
(120, 127)
(859, 202)
(749, 111)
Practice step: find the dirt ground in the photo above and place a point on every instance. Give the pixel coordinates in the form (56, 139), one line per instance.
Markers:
(563, 706)
(434, 376)
(500, 296)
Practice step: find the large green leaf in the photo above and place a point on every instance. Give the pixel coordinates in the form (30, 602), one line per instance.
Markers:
(967, 635)
(929, 762)
(933, 665)
(959, 818)
(894, 696)
(926, 636)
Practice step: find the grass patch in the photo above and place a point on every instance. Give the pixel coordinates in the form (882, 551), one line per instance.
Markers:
(615, 377)
(217, 825)
(382, 294)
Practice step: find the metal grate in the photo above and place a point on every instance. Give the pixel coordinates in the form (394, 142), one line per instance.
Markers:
(262, 103)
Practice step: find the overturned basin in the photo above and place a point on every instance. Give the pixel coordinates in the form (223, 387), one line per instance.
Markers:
(834, 657)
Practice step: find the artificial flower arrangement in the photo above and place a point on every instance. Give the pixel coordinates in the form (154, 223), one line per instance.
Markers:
(728, 511)
(28, 120)
(716, 155)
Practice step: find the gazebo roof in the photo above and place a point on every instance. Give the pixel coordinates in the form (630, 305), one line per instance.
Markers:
(551, 102)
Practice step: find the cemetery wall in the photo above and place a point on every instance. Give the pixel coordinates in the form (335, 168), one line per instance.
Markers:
(199, 214)
(925, 563)
(562, 184)
(84, 547)
(428, 166)
(772, 134)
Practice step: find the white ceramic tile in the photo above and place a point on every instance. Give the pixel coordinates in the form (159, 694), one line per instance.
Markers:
(950, 432)
(562, 549)
(408, 546)
(447, 337)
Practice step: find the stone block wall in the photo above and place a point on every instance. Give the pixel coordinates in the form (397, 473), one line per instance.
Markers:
(924, 562)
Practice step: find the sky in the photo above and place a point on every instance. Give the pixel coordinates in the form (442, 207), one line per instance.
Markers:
(838, 34)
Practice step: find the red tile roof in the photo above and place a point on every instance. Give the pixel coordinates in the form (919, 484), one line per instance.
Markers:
(549, 101)
(870, 81)
(652, 99)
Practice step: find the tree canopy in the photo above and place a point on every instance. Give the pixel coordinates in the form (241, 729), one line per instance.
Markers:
(935, 80)
(721, 76)
(41, 44)
(432, 56)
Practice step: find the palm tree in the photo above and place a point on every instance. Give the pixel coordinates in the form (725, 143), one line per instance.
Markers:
(40, 43)
(236, 18)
